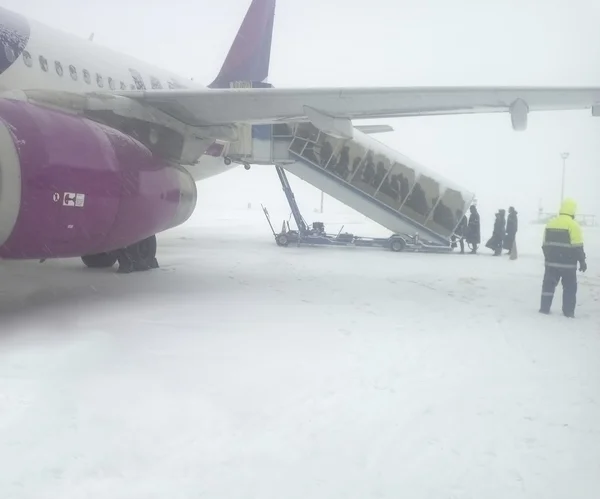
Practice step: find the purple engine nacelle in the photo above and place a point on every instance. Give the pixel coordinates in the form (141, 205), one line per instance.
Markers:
(71, 187)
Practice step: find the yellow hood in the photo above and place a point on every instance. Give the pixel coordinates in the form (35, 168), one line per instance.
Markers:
(568, 207)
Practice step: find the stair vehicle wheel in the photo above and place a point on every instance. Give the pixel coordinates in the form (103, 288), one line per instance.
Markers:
(282, 240)
(397, 245)
(100, 260)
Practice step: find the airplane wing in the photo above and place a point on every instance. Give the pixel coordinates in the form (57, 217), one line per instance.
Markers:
(274, 105)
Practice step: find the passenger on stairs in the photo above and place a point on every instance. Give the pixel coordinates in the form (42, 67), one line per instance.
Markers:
(326, 152)
(343, 163)
(355, 164)
(474, 230)
(394, 183)
(387, 188)
(339, 165)
(309, 153)
(380, 173)
(369, 170)
(417, 200)
(404, 187)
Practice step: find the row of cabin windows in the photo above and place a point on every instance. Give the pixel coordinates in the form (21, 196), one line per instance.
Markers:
(87, 77)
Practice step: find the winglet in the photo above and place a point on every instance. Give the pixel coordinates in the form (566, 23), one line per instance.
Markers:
(250, 54)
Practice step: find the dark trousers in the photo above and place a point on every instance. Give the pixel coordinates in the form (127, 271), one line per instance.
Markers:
(552, 277)
(509, 245)
(473, 245)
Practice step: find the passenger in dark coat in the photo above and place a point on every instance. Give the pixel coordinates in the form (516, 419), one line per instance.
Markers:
(461, 232)
(495, 242)
(473, 235)
(512, 226)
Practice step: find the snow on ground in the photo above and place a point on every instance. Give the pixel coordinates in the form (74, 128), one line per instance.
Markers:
(241, 369)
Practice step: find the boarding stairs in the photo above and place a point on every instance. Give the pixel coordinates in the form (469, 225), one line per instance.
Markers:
(362, 173)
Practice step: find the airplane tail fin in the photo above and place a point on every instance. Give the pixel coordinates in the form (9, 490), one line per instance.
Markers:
(250, 54)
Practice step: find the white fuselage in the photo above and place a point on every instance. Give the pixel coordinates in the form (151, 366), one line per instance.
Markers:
(54, 60)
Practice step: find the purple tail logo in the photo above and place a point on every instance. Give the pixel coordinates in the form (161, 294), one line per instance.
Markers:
(250, 54)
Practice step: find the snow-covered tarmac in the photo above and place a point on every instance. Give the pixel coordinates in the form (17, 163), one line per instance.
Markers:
(245, 370)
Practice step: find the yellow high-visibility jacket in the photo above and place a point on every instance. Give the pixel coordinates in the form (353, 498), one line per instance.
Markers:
(563, 240)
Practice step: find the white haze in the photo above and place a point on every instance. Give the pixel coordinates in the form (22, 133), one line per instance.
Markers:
(240, 369)
(408, 42)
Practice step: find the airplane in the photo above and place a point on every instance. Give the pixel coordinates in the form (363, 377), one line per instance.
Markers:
(100, 151)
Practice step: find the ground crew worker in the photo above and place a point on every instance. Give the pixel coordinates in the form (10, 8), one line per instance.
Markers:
(563, 250)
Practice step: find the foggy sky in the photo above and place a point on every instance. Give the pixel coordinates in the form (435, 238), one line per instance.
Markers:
(399, 42)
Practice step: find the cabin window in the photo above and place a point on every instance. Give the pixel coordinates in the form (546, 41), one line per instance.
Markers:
(87, 77)
(155, 83)
(123, 86)
(9, 52)
(139, 84)
(137, 79)
(73, 72)
(59, 68)
(111, 83)
(27, 59)
(173, 84)
(99, 80)
(43, 63)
